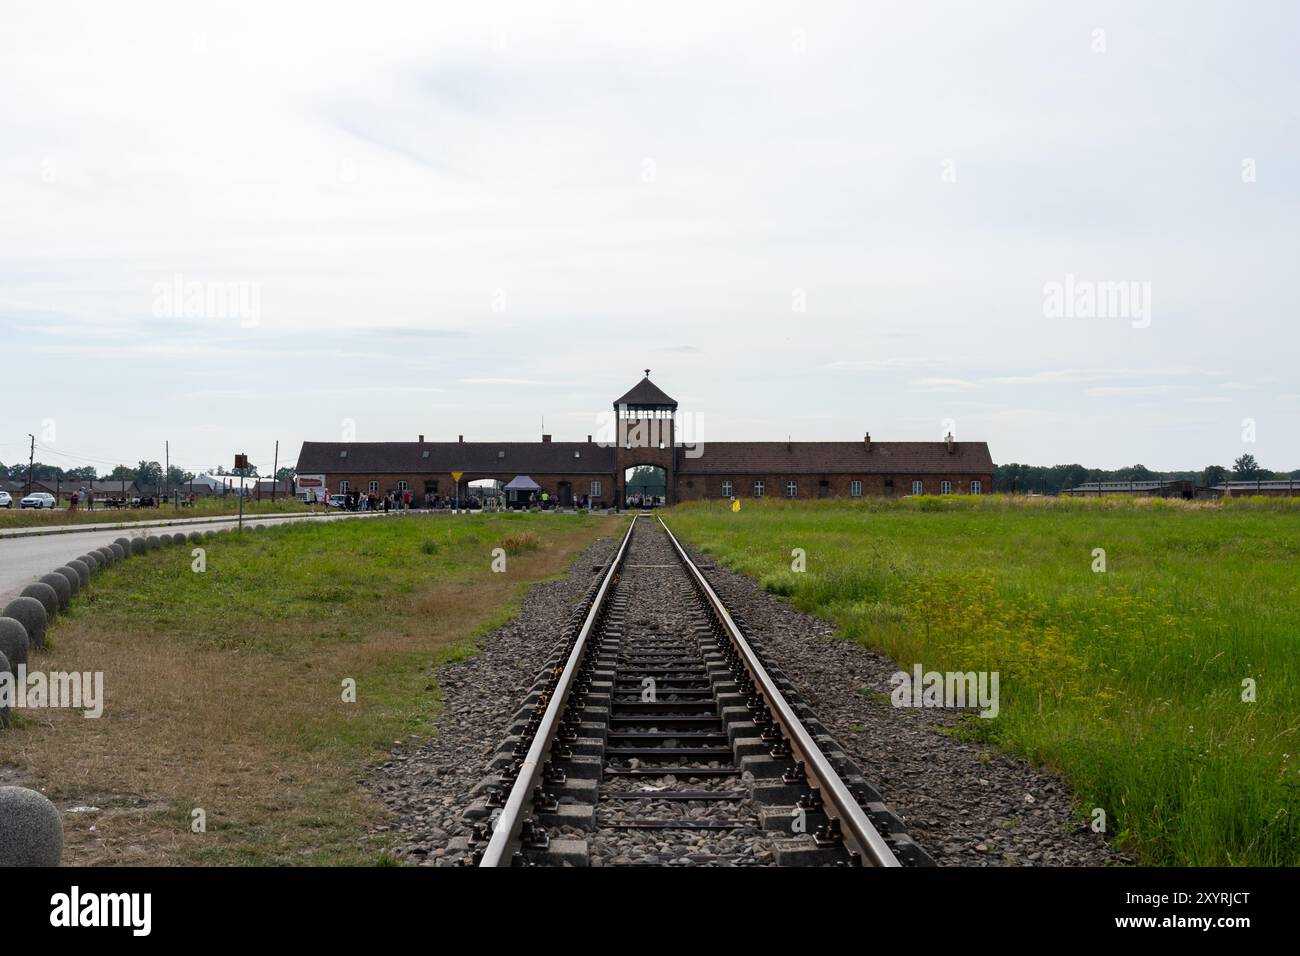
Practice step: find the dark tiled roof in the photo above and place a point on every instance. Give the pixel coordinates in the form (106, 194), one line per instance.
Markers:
(404, 457)
(646, 392)
(838, 457)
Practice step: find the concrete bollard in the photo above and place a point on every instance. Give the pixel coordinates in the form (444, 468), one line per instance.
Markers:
(83, 572)
(61, 587)
(124, 544)
(153, 542)
(196, 537)
(138, 546)
(31, 615)
(31, 830)
(4, 706)
(91, 561)
(15, 645)
(121, 552)
(107, 555)
(44, 593)
(72, 577)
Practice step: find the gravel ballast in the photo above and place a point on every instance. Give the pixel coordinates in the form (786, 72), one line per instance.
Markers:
(965, 804)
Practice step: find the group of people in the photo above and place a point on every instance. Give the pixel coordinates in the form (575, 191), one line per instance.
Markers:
(645, 501)
(405, 501)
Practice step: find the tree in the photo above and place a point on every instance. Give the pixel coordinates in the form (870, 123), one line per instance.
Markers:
(122, 473)
(1246, 468)
(286, 473)
(1214, 475)
(149, 472)
(177, 476)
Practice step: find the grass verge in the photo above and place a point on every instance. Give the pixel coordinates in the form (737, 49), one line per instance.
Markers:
(225, 689)
(16, 517)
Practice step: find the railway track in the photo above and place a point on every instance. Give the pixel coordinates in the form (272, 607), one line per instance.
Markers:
(657, 734)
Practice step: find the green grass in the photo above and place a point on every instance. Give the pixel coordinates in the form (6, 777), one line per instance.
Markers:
(1128, 682)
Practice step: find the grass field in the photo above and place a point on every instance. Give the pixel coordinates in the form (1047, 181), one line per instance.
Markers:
(16, 517)
(1129, 682)
(225, 688)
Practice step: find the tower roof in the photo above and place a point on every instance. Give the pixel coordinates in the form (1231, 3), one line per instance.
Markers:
(646, 394)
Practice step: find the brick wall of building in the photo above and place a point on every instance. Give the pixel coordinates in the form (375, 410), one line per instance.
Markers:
(695, 487)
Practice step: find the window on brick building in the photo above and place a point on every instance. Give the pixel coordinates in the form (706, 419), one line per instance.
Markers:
(855, 489)
(401, 486)
(976, 488)
(343, 487)
(374, 486)
(945, 487)
(792, 489)
(759, 487)
(726, 489)
(595, 489)
(918, 487)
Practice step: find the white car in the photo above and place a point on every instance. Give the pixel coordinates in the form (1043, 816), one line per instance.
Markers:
(6, 500)
(38, 499)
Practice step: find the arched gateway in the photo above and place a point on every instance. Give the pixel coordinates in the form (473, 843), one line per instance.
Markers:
(577, 474)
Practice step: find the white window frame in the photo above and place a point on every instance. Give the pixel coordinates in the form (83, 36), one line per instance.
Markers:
(792, 489)
(726, 489)
(402, 486)
(595, 489)
(760, 488)
(343, 486)
(945, 487)
(976, 487)
(918, 487)
(374, 487)
(855, 488)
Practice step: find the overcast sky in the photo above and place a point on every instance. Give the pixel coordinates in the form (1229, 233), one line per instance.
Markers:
(810, 220)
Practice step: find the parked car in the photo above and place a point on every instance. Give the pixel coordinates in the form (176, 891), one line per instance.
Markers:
(6, 500)
(38, 499)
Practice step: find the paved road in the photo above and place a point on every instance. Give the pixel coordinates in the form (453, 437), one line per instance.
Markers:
(23, 560)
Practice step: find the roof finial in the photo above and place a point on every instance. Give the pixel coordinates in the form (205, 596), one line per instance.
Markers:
(647, 373)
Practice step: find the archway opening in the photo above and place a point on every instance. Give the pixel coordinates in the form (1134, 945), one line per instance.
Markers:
(484, 492)
(645, 486)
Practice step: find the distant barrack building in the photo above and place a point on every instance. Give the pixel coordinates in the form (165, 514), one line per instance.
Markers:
(1182, 488)
(646, 435)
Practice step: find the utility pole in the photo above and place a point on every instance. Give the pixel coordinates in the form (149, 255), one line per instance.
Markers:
(31, 460)
(167, 471)
(275, 468)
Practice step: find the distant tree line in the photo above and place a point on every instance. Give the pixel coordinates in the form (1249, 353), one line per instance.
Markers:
(145, 472)
(1052, 479)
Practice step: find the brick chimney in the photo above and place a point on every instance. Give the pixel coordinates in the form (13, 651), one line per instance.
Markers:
(460, 438)
(421, 439)
(866, 441)
(546, 438)
(588, 439)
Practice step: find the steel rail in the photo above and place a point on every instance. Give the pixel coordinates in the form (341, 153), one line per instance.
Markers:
(505, 832)
(857, 830)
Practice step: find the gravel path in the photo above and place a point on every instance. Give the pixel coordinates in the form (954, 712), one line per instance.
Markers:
(965, 805)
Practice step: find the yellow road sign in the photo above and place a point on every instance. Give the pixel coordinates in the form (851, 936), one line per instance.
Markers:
(455, 475)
